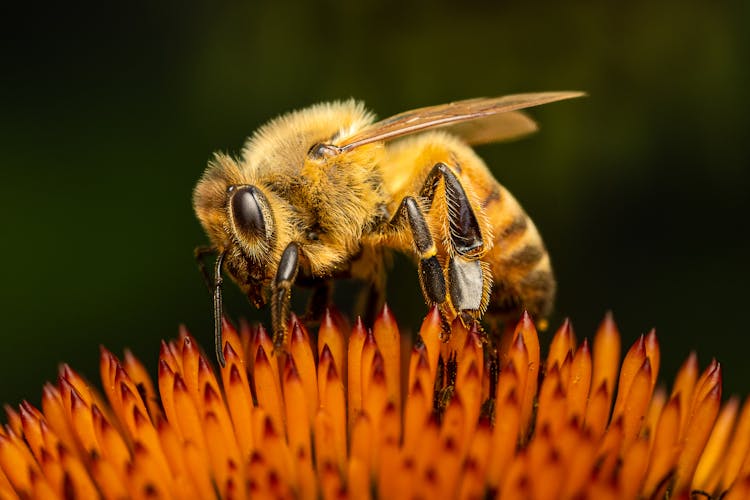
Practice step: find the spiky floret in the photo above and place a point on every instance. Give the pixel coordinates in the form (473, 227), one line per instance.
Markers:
(334, 417)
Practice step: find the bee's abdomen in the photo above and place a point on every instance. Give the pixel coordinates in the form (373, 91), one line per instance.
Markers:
(518, 260)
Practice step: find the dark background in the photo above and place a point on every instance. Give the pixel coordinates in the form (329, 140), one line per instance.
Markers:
(110, 112)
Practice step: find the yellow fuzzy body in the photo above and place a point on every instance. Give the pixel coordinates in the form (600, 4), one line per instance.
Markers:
(337, 208)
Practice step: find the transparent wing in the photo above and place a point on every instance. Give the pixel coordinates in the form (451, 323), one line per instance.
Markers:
(493, 128)
(455, 113)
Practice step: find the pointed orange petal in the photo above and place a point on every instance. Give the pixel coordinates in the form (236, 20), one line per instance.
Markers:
(469, 391)
(388, 339)
(361, 448)
(636, 403)
(634, 468)
(108, 480)
(472, 477)
(331, 483)
(142, 380)
(738, 447)
(239, 399)
(262, 339)
(597, 411)
(31, 429)
(665, 448)
(331, 335)
(415, 415)
(579, 451)
(297, 419)
(711, 462)
(323, 433)
(14, 419)
(172, 446)
(187, 418)
(266, 388)
(77, 478)
(425, 455)
(580, 381)
(113, 446)
(606, 358)
(334, 403)
(54, 414)
(275, 450)
(504, 439)
(653, 353)
(301, 350)
(166, 380)
(15, 465)
(214, 404)
(430, 333)
(658, 400)
(631, 365)
(354, 367)
(83, 424)
(358, 480)
(609, 449)
(197, 466)
(526, 328)
(232, 339)
(390, 478)
(698, 430)
(562, 343)
(684, 384)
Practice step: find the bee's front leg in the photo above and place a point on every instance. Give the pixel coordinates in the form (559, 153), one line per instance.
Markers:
(281, 293)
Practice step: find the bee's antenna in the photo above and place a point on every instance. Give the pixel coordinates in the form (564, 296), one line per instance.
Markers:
(217, 309)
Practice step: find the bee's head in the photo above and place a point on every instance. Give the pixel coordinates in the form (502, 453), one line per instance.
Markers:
(240, 220)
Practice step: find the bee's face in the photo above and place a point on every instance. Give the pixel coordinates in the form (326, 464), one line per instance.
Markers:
(240, 220)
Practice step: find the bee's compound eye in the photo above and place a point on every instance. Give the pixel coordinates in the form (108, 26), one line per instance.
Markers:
(247, 213)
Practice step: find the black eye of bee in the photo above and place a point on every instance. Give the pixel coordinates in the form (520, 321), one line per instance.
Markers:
(247, 213)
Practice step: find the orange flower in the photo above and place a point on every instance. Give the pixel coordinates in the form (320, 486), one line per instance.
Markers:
(346, 418)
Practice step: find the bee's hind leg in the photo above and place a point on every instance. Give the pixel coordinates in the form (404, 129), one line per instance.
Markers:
(469, 282)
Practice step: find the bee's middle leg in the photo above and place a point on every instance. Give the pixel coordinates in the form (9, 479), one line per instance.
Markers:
(281, 293)
(431, 276)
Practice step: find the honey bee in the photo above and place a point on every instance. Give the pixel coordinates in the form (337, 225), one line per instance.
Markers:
(327, 192)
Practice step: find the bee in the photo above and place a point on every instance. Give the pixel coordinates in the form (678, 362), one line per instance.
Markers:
(327, 192)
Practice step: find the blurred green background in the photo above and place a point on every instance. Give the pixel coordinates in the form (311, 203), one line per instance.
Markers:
(110, 112)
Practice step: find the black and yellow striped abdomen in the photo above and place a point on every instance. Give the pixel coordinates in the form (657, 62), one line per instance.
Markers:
(518, 260)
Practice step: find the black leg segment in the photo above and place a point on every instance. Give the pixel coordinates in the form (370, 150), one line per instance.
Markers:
(218, 280)
(466, 235)
(430, 273)
(282, 292)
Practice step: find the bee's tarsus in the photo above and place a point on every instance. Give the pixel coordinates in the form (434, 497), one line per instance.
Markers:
(218, 281)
